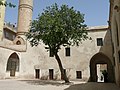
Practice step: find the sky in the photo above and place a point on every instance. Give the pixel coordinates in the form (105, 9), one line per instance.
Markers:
(96, 11)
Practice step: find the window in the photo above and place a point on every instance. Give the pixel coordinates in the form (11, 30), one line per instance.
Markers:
(6, 34)
(67, 51)
(9, 35)
(99, 42)
(78, 74)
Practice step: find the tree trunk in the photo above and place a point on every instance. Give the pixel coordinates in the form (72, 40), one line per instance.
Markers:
(61, 68)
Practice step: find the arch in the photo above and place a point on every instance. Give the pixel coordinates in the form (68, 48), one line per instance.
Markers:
(13, 64)
(101, 58)
(19, 41)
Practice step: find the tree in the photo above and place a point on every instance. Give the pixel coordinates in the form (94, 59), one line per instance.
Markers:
(56, 27)
(7, 4)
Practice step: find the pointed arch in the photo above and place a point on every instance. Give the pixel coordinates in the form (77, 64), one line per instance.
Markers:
(13, 64)
(19, 41)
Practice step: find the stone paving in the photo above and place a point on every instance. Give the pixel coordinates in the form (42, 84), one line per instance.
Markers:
(53, 85)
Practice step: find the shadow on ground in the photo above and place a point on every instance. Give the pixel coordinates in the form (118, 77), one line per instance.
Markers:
(93, 86)
(43, 82)
(82, 86)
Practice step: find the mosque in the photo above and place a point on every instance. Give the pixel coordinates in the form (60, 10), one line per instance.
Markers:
(86, 62)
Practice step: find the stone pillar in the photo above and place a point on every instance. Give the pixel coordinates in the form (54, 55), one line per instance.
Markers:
(2, 15)
(24, 16)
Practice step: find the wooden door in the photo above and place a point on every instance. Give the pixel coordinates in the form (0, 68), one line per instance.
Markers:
(13, 68)
(12, 72)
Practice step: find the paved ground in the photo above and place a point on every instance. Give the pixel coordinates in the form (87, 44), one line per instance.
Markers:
(53, 85)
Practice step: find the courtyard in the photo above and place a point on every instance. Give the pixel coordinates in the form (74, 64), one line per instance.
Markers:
(10, 84)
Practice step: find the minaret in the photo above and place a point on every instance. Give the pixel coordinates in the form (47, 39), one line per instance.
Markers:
(25, 10)
(24, 16)
(2, 15)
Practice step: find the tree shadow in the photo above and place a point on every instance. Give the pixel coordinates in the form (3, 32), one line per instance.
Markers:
(93, 86)
(43, 82)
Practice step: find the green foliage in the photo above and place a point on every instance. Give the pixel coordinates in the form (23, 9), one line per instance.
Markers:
(58, 26)
(7, 4)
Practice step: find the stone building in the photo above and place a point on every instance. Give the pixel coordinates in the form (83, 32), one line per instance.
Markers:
(86, 62)
(115, 29)
(2, 14)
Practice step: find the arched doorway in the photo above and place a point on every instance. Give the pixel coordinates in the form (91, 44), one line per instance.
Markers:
(100, 58)
(13, 64)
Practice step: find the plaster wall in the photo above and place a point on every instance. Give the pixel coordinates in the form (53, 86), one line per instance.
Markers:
(79, 60)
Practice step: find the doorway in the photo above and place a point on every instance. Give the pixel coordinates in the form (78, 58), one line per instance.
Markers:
(37, 73)
(13, 64)
(100, 60)
(51, 74)
(100, 72)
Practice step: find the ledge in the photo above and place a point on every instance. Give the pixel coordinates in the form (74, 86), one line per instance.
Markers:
(19, 48)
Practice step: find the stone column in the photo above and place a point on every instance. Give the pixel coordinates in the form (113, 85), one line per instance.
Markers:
(2, 15)
(24, 16)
